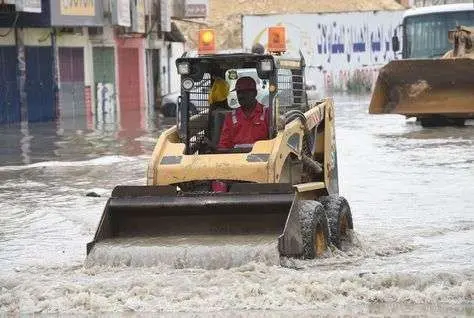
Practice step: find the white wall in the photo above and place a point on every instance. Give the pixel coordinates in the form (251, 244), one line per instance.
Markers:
(177, 50)
(421, 3)
(170, 81)
(335, 45)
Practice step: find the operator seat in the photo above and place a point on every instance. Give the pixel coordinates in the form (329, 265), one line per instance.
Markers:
(215, 125)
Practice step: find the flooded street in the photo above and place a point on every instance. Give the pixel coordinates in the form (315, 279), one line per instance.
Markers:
(410, 190)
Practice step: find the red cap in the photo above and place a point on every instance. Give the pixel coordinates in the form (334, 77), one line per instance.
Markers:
(245, 83)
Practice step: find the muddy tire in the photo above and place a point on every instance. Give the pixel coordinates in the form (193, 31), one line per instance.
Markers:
(340, 219)
(314, 229)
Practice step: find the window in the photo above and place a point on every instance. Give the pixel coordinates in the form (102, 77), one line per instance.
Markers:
(426, 36)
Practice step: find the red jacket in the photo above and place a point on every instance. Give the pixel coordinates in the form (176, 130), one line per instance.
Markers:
(240, 129)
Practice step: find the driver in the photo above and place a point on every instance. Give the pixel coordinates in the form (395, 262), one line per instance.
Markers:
(249, 122)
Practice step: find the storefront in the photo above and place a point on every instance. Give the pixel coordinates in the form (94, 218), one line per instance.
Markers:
(49, 52)
(131, 82)
(40, 83)
(71, 85)
(104, 84)
(75, 60)
(130, 45)
(9, 101)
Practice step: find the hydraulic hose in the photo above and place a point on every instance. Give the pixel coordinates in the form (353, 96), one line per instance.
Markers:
(297, 114)
(312, 164)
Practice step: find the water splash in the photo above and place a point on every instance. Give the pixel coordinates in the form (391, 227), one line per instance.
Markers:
(186, 252)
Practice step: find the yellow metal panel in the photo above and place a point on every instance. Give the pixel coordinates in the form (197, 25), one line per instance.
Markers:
(204, 166)
(263, 146)
(425, 86)
(330, 164)
(315, 115)
(212, 167)
(310, 186)
(168, 140)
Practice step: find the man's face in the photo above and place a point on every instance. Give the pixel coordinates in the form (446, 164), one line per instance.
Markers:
(247, 98)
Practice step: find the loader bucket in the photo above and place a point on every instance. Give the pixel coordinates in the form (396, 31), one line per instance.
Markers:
(431, 86)
(159, 211)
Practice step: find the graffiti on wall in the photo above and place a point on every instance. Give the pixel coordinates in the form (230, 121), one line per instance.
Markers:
(342, 50)
(106, 104)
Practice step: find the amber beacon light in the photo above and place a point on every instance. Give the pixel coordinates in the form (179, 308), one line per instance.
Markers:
(207, 41)
(277, 39)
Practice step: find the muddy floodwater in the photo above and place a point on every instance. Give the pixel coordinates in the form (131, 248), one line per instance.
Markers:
(410, 189)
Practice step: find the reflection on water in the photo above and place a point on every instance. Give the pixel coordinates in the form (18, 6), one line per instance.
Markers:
(74, 138)
(441, 133)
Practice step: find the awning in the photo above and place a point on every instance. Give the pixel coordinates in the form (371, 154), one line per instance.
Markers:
(175, 35)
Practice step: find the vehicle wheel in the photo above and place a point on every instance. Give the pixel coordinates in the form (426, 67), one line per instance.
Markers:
(168, 109)
(339, 217)
(314, 229)
(458, 122)
(441, 122)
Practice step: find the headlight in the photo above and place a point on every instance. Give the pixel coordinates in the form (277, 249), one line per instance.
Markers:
(187, 84)
(184, 68)
(266, 65)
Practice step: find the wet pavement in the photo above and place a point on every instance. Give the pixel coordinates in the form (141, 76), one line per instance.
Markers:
(410, 190)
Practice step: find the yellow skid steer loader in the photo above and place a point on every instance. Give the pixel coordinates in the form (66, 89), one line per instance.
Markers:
(437, 92)
(286, 186)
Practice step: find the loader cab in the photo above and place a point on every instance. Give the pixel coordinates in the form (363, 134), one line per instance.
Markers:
(280, 87)
(232, 76)
(425, 29)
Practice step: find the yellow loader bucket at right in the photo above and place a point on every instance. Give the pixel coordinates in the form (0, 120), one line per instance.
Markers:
(425, 87)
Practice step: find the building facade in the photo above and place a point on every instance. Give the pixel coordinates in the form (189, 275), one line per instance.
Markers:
(422, 3)
(84, 63)
(343, 51)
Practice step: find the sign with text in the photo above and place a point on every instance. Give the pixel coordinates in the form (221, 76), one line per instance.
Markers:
(190, 8)
(80, 13)
(78, 7)
(138, 16)
(28, 6)
(165, 15)
(121, 14)
(195, 9)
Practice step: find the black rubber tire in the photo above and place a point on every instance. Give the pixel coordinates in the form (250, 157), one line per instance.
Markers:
(441, 122)
(314, 226)
(168, 109)
(339, 217)
(459, 122)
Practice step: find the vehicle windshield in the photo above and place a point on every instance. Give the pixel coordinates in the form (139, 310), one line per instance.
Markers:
(426, 36)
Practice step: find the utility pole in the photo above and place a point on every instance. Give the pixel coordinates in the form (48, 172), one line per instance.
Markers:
(21, 73)
(54, 51)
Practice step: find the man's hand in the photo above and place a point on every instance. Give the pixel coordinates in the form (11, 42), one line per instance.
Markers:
(205, 145)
